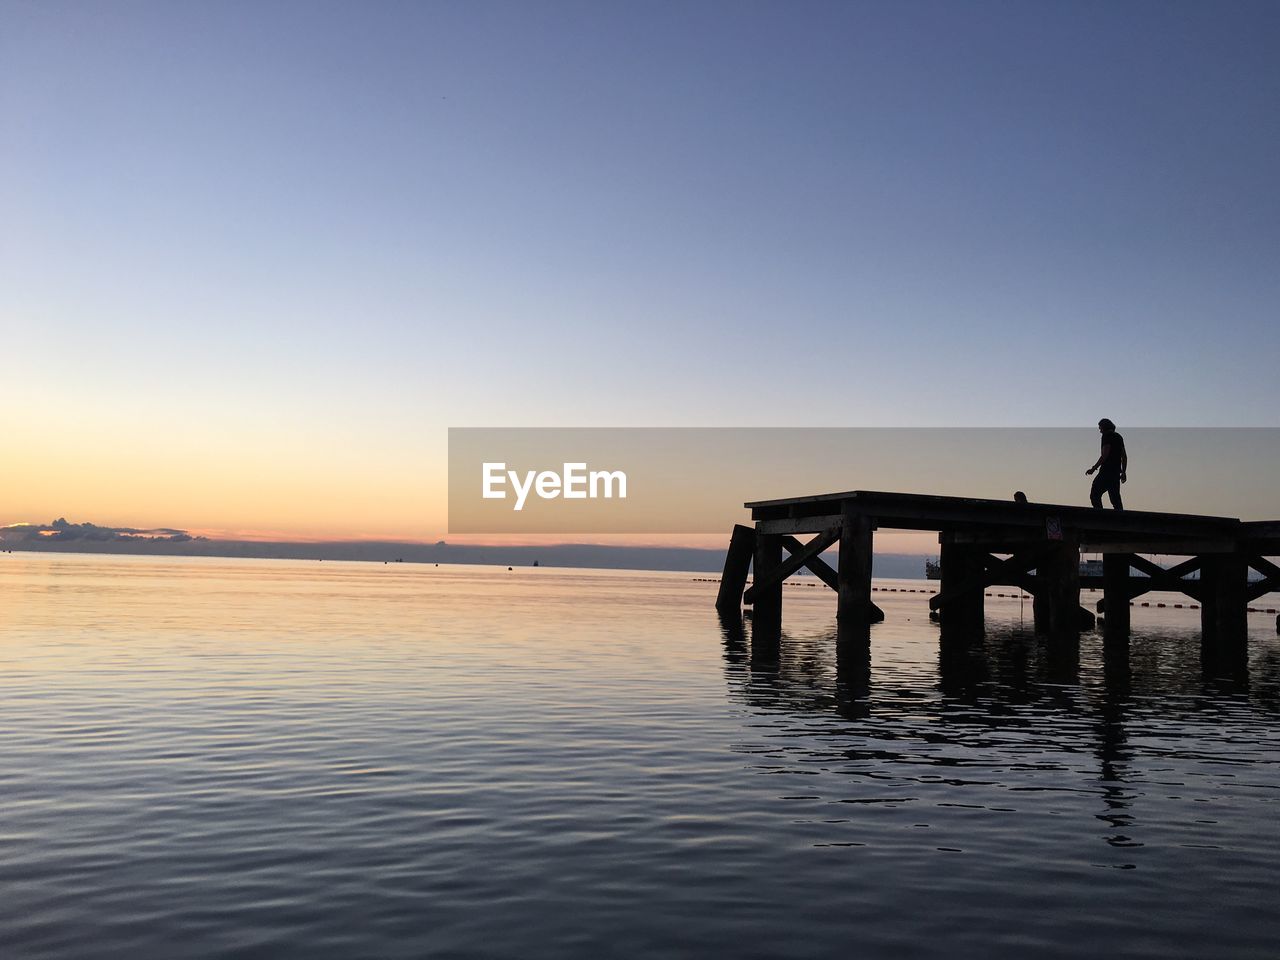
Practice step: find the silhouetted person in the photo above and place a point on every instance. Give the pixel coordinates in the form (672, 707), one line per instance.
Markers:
(1112, 467)
(1019, 497)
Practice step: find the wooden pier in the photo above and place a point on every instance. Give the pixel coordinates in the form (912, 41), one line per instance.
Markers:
(984, 543)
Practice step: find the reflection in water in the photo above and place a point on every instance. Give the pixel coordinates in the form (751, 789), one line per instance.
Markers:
(1112, 750)
(228, 758)
(791, 663)
(1002, 715)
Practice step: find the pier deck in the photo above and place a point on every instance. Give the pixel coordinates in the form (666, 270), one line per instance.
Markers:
(1034, 546)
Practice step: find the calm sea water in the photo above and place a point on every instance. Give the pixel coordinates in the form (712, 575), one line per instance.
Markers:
(204, 758)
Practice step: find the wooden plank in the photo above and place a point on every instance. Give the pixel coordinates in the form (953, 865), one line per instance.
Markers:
(917, 511)
(996, 539)
(819, 567)
(869, 501)
(1093, 525)
(1262, 529)
(793, 563)
(1173, 548)
(1006, 543)
(737, 564)
(791, 525)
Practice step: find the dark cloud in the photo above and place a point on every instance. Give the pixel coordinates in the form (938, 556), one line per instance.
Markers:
(62, 531)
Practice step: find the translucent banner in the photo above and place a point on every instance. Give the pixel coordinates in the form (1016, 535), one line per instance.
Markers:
(695, 480)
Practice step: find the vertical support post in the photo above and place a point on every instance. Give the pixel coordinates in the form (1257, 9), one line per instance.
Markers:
(962, 618)
(1115, 591)
(1040, 604)
(737, 562)
(1059, 570)
(766, 617)
(853, 577)
(1040, 597)
(1224, 618)
(1060, 582)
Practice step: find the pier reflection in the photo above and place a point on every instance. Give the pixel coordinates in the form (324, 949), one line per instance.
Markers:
(826, 671)
(1008, 717)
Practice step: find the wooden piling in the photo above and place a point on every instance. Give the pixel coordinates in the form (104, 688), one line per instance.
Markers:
(962, 564)
(1224, 627)
(1040, 606)
(1059, 573)
(766, 615)
(1115, 591)
(853, 605)
(737, 564)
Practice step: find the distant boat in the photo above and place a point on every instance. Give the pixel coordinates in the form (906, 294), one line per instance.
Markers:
(932, 570)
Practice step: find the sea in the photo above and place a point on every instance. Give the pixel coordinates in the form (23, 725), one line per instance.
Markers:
(209, 758)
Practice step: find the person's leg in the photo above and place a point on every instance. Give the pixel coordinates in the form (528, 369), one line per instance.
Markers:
(1113, 491)
(1095, 492)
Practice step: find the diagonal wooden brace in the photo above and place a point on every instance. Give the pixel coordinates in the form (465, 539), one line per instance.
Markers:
(1270, 582)
(822, 570)
(1261, 588)
(1265, 567)
(819, 567)
(802, 558)
(1162, 579)
(1011, 571)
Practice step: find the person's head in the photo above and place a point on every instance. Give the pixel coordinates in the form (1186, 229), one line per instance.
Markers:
(1106, 426)
(1019, 497)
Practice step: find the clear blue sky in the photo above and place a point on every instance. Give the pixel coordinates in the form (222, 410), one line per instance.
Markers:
(355, 224)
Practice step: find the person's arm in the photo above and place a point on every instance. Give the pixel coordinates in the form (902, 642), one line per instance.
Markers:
(1124, 467)
(1101, 459)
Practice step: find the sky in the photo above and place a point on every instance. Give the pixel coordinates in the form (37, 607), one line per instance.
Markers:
(256, 259)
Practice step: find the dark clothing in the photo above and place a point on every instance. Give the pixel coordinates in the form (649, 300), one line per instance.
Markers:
(1108, 483)
(1111, 466)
